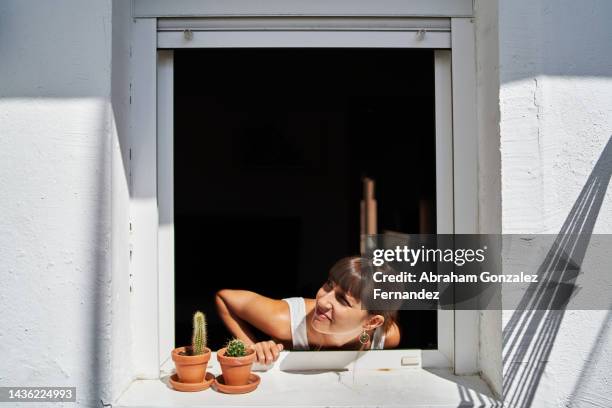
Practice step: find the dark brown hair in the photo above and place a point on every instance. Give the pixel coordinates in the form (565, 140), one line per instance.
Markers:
(353, 275)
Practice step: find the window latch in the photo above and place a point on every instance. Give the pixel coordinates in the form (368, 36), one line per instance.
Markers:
(411, 361)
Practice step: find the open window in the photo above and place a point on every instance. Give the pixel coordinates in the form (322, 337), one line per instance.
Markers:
(162, 182)
(354, 101)
(271, 147)
(265, 151)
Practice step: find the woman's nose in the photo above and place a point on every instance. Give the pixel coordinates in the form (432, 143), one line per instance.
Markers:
(325, 301)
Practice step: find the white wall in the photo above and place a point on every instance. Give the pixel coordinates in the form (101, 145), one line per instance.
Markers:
(489, 165)
(121, 347)
(63, 147)
(57, 132)
(556, 155)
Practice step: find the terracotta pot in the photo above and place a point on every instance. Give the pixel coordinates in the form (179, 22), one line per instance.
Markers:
(190, 369)
(236, 370)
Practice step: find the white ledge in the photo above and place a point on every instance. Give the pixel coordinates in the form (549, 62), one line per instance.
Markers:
(364, 387)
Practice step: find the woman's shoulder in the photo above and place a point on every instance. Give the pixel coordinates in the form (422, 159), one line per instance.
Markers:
(309, 304)
(277, 319)
(392, 336)
(299, 306)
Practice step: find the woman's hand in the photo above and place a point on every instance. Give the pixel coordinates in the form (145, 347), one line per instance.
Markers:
(267, 351)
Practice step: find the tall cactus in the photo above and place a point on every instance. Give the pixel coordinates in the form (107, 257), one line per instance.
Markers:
(198, 341)
(235, 348)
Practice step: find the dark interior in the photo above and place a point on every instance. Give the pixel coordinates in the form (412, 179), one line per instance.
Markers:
(270, 149)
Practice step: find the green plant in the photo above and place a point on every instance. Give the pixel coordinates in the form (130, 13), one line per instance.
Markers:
(236, 348)
(198, 341)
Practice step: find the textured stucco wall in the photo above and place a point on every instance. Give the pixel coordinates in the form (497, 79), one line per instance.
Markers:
(556, 128)
(62, 150)
(57, 132)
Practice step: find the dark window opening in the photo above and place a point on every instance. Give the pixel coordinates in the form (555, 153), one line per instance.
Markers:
(271, 146)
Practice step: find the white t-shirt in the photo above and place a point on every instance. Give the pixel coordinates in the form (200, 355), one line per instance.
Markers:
(297, 311)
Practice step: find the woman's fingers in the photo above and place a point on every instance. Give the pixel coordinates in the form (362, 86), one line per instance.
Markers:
(267, 352)
(259, 352)
(275, 349)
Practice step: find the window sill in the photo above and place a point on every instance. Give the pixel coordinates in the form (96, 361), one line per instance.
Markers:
(414, 387)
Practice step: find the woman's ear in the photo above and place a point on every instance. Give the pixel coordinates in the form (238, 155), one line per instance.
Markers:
(373, 322)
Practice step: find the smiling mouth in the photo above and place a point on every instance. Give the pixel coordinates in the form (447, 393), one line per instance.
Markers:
(319, 315)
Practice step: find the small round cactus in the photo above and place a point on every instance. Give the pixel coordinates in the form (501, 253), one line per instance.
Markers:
(198, 341)
(236, 348)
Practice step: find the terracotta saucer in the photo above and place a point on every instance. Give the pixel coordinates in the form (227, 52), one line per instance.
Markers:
(220, 385)
(192, 387)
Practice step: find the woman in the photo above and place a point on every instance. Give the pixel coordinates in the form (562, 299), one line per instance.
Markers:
(334, 319)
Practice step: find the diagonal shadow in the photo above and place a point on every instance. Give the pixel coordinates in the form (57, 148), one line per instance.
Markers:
(529, 336)
(470, 399)
(581, 394)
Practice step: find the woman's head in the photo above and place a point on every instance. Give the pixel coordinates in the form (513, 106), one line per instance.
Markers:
(339, 309)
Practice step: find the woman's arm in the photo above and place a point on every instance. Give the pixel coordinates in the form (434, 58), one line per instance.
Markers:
(240, 308)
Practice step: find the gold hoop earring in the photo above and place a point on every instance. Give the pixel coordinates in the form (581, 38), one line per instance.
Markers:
(364, 337)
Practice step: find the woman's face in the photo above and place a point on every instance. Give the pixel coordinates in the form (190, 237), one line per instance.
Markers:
(337, 312)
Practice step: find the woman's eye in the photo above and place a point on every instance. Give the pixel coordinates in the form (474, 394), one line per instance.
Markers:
(328, 284)
(343, 300)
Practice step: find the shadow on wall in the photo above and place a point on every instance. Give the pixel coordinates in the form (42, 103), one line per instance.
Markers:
(471, 399)
(100, 329)
(529, 336)
(552, 38)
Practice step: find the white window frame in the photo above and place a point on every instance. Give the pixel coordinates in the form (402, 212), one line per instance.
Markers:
(152, 238)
